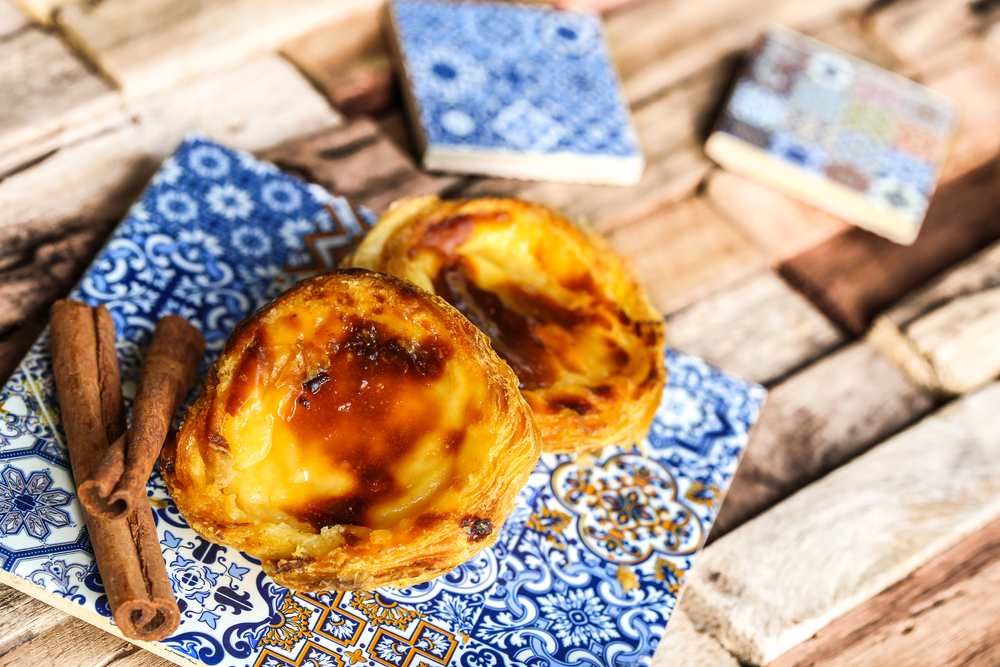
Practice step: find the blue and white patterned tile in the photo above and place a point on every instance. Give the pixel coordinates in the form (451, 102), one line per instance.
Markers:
(506, 79)
(218, 234)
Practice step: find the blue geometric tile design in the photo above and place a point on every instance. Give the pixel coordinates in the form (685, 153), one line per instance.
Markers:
(503, 77)
(586, 571)
(842, 119)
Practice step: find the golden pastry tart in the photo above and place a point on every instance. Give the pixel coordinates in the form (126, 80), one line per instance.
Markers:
(558, 304)
(356, 432)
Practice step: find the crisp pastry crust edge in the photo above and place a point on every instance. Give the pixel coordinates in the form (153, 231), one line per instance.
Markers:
(424, 552)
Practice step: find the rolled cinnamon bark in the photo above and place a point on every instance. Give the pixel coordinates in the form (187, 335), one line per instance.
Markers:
(118, 482)
(85, 365)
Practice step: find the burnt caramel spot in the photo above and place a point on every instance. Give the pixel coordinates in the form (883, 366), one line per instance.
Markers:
(360, 413)
(451, 233)
(512, 325)
(605, 391)
(578, 405)
(351, 539)
(293, 564)
(312, 385)
(476, 528)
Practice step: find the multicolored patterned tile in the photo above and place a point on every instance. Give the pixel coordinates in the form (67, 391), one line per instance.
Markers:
(837, 132)
(587, 569)
(513, 90)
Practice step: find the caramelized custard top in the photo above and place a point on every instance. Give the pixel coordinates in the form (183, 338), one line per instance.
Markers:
(346, 412)
(535, 288)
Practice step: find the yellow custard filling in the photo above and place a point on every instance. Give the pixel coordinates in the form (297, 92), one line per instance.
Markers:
(331, 420)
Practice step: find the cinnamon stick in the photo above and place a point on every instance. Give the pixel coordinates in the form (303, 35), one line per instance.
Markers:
(118, 482)
(128, 554)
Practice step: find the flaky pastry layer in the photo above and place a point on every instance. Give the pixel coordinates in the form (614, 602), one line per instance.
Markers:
(356, 432)
(559, 305)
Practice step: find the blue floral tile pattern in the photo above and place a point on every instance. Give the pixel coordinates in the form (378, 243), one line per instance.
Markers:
(586, 571)
(489, 78)
(842, 119)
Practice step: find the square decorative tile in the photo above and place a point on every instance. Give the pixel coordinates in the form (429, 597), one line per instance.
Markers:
(837, 132)
(215, 236)
(514, 90)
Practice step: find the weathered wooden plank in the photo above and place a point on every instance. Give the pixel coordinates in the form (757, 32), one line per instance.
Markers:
(348, 62)
(12, 19)
(47, 93)
(683, 645)
(775, 581)
(928, 33)
(72, 642)
(991, 44)
(662, 42)
(39, 10)
(976, 88)
(946, 335)
(357, 161)
(686, 252)
(669, 129)
(942, 614)
(815, 421)
(849, 35)
(93, 182)
(759, 329)
(31, 279)
(781, 226)
(23, 618)
(855, 275)
(152, 45)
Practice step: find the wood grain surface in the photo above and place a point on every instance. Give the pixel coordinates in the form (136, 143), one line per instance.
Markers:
(252, 107)
(946, 334)
(12, 18)
(47, 91)
(781, 226)
(39, 11)
(856, 275)
(927, 34)
(686, 252)
(814, 422)
(151, 45)
(777, 580)
(759, 329)
(683, 645)
(358, 161)
(348, 62)
(943, 614)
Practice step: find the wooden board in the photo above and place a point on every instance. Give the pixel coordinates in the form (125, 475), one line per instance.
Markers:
(856, 275)
(151, 45)
(943, 614)
(686, 252)
(946, 335)
(48, 93)
(348, 62)
(683, 645)
(759, 329)
(39, 10)
(357, 161)
(775, 581)
(927, 34)
(23, 617)
(781, 226)
(976, 87)
(815, 421)
(659, 43)
(252, 107)
(12, 18)
(70, 642)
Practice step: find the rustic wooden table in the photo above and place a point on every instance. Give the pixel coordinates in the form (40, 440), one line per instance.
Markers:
(863, 526)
